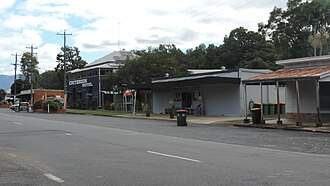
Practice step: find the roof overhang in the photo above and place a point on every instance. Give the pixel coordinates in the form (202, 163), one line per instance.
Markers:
(196, 82)
(139, 86)
(286, 75)
(280, 80)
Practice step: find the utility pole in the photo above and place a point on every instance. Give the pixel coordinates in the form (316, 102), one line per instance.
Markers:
(31, 74)
(15, 64)
(64, 61)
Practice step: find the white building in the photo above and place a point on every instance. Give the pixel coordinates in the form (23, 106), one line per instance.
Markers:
(217, 93)
(307, 82)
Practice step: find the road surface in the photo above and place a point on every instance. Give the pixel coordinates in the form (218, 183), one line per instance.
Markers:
(55, 149)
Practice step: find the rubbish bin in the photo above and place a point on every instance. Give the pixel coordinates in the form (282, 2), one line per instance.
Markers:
(256, 115)
(257, 105)
(29, 109)
(282, 107)
(265, 109)
(181, 117)
(272, 108)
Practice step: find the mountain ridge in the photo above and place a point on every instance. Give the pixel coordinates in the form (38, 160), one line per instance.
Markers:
(6, 81)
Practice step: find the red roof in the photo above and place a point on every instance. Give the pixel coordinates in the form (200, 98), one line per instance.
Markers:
(286, 74)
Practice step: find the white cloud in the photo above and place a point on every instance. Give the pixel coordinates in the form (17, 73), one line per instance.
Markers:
(6, 4)
(17, 22)
(47, 56)
(95, 24)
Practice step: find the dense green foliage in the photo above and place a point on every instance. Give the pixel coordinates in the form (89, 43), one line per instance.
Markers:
(20, 85)
(2, 94)
(73, 61)
(53, 105)
(50, 80)
(29, 66)
(290, 29)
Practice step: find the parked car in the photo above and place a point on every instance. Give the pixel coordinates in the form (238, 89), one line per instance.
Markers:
(23, 106)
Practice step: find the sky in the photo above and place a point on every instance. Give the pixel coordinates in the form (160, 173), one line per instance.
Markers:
(100, 27)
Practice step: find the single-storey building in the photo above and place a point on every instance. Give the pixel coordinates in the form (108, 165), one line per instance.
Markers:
(40, 94)
(307, 84)
(215, 93)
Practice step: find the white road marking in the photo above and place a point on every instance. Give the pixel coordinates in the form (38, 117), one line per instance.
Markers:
(16, 123)
(54, 178)
(172, 156)
(68, 134)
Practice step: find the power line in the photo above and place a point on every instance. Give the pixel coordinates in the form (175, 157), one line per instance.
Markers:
(203, 14)
(64, 61)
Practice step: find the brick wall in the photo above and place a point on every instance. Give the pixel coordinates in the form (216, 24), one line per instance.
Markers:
(38, 94)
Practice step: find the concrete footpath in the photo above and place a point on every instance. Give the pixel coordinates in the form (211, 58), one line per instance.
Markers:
(202, 120)
(237, 121)
(289, 125)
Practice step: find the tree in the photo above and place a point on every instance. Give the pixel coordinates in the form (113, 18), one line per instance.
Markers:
(73, 61)
(20, 85)
(49, 80)
(318, 41)
(243, 48)
(151, 63)
(203, 57)
(291, 29)
(2, 94)
(29, 64)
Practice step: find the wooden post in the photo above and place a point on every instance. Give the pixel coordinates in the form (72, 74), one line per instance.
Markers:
(278, 103)
(298, 103)
(318, 123)
(246, 120)
(262, 121)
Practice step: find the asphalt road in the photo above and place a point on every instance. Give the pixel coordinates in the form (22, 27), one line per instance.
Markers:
(53, 149)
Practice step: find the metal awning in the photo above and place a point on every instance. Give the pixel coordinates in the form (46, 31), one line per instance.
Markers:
(198, 81)
(228, 76)
(285, 75)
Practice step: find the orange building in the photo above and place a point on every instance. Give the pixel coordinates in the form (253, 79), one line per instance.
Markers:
(40, 94)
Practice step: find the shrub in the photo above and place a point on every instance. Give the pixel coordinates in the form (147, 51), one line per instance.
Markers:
(107, 106)
(113, 106)
(37, 104)
(53, 106)
(58, 103)
(146, 108)
(4, 102)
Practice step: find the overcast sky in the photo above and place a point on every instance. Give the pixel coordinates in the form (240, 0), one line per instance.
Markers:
(97, 26)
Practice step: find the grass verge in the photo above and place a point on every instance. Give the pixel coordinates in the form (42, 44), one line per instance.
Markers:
(95, 112)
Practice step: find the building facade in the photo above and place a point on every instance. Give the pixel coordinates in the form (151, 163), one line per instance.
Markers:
(307, 83)
(217, 93)
(86, 87)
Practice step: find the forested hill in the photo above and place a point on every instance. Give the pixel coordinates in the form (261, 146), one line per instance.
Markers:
(6, 81)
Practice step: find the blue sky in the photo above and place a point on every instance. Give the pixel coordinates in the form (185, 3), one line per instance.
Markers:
(96, 26)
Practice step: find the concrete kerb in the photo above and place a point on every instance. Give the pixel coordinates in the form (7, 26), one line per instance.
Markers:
(286, 127)
(228, 121)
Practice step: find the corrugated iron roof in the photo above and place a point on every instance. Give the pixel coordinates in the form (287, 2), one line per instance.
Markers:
(114, 57)
(287, 74)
